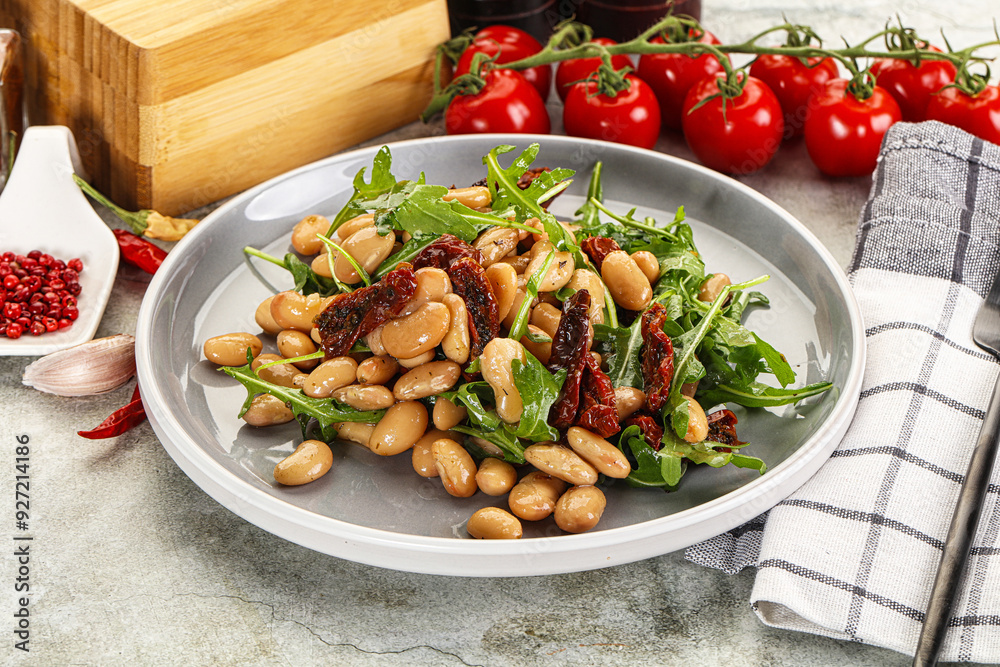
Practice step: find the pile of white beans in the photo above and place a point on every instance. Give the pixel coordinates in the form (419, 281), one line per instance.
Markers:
(420, 354)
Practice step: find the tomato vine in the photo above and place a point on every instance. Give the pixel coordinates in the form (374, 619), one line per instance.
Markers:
(680, 35)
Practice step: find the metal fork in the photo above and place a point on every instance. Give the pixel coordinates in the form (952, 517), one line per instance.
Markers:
(986, 333)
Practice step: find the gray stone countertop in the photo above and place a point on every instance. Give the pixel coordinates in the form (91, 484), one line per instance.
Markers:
(132, 563)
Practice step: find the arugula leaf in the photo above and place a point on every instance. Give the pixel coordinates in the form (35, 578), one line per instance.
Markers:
(653, 468)
(507, 195)
(759, 395)
(539, 389)
(707, 452)
(471, 395)
(672, 258)
(685, 362)
(330, 257)
(520, 323)
(776, 363)
(325, 411)
(409, 250)
(733, 334)
(648, 227)
(587, 214)
(624, 360)
(419, 209)
(625, 237)
(743, 300)
(537, 337)
(482, 220)
(306, 280)
(382, 181)
(513, 450)
(674, 303)
(678, 410)
(752, 462)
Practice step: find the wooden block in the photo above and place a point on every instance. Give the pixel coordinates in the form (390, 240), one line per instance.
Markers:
(178, 103)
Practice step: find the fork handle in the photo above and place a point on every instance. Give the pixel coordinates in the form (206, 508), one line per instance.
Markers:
(955, 554)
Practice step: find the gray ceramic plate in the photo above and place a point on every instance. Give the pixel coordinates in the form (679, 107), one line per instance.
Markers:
(377, 510)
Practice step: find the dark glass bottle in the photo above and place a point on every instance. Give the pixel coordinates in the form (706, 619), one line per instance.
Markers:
(622, 20)
(536, 17)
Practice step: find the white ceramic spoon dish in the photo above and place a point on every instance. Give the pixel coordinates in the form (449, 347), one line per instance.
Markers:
(41, 208)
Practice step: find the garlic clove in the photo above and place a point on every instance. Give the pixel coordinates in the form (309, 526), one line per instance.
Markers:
(83, 370)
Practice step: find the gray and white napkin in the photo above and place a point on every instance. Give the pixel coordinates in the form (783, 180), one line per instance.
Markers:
(852, 554)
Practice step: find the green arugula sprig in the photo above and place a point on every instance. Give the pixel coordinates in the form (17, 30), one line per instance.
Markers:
(527, 203)
(365, 278)
(711, 346)
(382, 181)
(305, 408)
(306, 280)
(520, 324)
(538, 388)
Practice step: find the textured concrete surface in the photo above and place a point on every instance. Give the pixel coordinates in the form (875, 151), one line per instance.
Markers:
(131, 563)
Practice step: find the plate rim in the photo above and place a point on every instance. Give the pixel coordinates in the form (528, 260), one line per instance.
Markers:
(419, 553)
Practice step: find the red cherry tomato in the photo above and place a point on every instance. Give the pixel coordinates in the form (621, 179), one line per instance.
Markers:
(741, 140)
(512, 44)
(912, 87)
(843, 133)
(979, 115)
(793, 82)
(507, 103)
(671, 76)
(631, 117)
(570, 71)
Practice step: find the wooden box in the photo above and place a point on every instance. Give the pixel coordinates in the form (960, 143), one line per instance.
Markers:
(178, 103)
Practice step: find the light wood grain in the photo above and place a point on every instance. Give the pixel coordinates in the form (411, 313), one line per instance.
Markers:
(178, 103)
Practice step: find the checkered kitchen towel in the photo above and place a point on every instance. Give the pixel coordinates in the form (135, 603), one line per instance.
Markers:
(852, 554)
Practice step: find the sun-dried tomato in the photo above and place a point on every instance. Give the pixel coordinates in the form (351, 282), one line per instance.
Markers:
(657, 357)
(468, 280)
(599, 247)
(650, 427)
(355, 314)
(569, 352)
(445, 251)
(528, 177)
(722, 428)
(598, 412)
(524, 182)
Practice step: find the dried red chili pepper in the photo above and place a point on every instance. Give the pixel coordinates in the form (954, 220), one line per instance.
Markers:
(139, 252)
(469, 281)
(650, 427)
(598, 411)
(657, 357)
(599, 247)
(444, 252)
(355, 314)
(569, 349)
(722, 428)
(120, 420)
